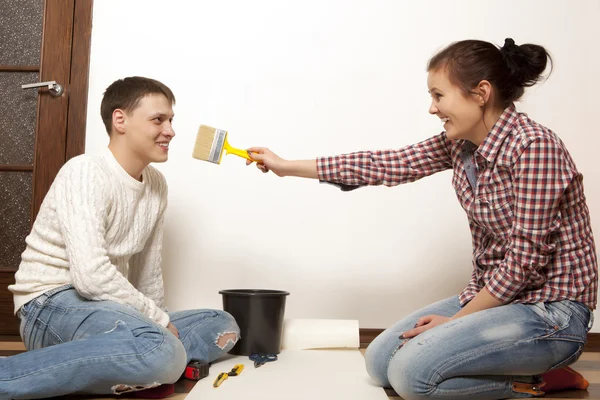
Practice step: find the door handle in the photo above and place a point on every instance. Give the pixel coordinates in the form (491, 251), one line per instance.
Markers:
(55, 89)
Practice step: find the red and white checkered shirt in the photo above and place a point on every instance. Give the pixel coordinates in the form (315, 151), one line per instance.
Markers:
(530, 225)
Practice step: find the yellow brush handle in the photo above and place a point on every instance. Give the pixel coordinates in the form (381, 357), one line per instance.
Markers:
(237, 152)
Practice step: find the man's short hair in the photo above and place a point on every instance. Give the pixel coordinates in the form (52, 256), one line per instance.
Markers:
(126, 93)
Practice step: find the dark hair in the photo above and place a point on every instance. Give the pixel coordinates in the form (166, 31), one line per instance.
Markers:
(125, 94)
(509, 69)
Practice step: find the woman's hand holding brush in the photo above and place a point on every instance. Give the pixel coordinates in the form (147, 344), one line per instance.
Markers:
(267, 161)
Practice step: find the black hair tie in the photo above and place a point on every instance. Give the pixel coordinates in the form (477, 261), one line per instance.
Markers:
(509, 46)
(512, 57)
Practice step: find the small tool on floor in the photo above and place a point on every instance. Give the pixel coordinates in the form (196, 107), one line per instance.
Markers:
(235, 371)
(261, 359)
(196, 370)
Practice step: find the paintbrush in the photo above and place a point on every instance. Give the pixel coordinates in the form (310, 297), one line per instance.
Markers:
(210, 144)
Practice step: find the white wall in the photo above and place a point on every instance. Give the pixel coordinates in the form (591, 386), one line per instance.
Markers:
(317, 77)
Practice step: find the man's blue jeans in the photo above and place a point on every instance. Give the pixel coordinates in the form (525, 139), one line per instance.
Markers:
(481, 355)
(102, 347)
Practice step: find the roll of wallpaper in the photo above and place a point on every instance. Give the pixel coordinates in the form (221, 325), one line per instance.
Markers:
(306, 334)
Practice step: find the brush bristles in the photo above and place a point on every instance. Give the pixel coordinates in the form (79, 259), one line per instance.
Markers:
(209, 144)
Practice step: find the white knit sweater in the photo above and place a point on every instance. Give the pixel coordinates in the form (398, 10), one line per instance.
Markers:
(100, 230)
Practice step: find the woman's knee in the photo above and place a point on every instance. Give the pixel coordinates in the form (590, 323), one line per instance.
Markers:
(411, 375)
(377, 356)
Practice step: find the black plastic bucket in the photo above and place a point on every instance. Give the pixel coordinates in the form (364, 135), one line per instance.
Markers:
(259, 314)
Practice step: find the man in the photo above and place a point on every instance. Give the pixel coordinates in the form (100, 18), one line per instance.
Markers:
(89, 290)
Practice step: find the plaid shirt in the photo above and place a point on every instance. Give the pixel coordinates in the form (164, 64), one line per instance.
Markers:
(530, 225)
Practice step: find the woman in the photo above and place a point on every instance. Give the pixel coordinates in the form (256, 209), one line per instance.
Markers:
(525, 313)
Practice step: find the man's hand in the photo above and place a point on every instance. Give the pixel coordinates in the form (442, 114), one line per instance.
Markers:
(425, 323)
(173, 330)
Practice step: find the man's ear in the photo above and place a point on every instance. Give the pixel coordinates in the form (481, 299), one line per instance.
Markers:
(118, 120)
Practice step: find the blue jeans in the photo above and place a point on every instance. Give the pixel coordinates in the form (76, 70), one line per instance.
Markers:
(102, 347)
(481, 355)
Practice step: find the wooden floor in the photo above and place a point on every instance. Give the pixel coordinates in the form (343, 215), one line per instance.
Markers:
(588, 365)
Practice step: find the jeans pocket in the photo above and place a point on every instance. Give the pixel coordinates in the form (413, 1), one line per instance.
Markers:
(559, 314)
(28, 314)
(579, 311)
(555, 318)
(32, 329)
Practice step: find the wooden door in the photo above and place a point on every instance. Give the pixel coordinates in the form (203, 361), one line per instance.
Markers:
(40, 40)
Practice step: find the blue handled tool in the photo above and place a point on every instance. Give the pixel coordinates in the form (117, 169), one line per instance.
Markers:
(261, 359)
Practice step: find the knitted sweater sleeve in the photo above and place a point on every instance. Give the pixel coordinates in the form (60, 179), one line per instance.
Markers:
(82, 204)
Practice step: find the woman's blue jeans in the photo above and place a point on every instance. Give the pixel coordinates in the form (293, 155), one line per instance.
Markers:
(102, 347)
(481, 355)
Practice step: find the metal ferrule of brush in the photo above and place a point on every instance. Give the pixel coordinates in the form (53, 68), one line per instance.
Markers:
(217, 147)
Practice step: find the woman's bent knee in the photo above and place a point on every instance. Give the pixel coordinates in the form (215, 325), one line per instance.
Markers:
(411, 376)
(377, 356)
